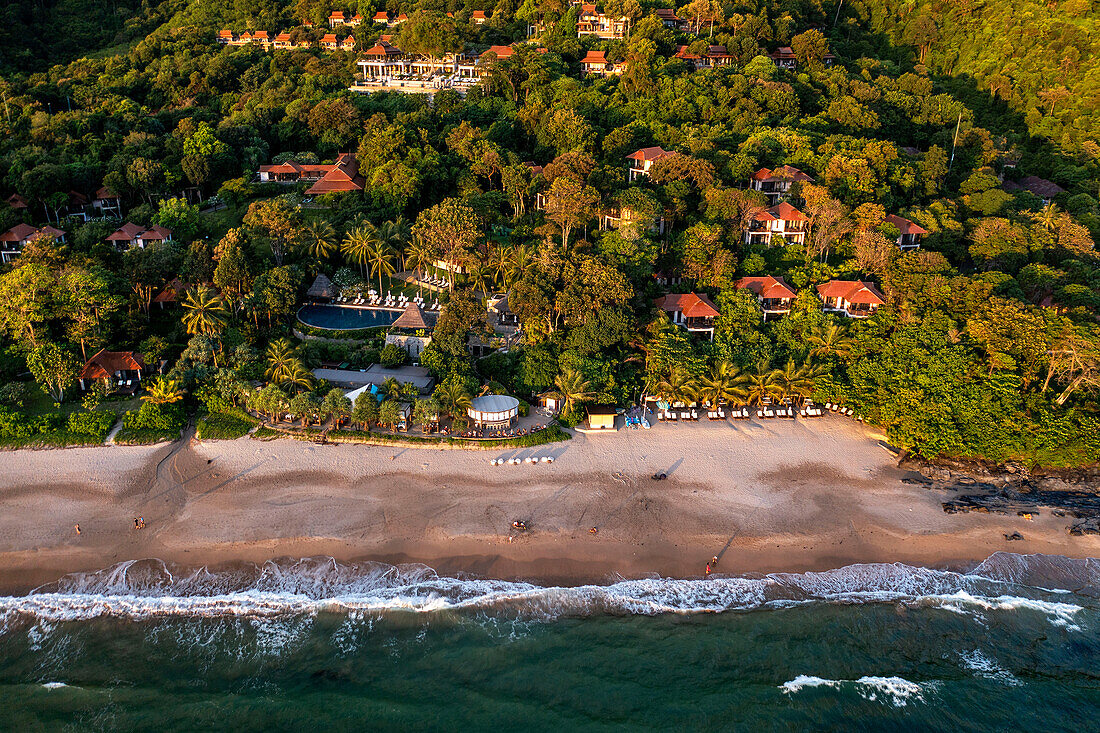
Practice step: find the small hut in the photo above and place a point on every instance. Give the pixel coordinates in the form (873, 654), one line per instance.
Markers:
(321, 289)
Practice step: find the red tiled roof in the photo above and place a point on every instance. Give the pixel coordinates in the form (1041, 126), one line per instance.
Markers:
(105, 193)
(108, 363)
(853, 291)
(1041, 187)
(690, 304)
(18, 233)
(381, 16)
(594, 57)
(683, 53)
(783, 52)
(781, 211)
(336, 15)
(782, 173)
(478, 15)
(904, 225)
(766, 286)
(383, 49)
(48, 231)
(16, 201)
(259, 36)
(130, 231)
(655, 153)
(172, 292)
(282, 37)
(329, 38)
(344, 176)
(502, 52)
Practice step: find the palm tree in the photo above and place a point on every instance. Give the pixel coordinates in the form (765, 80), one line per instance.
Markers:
(796, 382)
(206, 312)
(395, 233)
(724, 383)
(761, 384)
(520, 262)
(1047, 218)
(500, 264)
(573, 387)
(391, 388)
(418, 256)
(453, 397)
(282, 359)
(298, 376)
(319, 239)
(678, 387)
(162, 391)
(832, 339)
(356, 245)
(380, 256)
(476, 273)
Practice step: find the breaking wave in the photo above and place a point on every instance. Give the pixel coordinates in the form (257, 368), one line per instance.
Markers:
(895, 691)
(146, 589)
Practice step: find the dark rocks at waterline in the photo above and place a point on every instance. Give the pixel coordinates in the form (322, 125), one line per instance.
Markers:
(1012, 489)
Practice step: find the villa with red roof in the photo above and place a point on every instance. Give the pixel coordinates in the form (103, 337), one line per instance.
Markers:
(343, 176)
(910, 233)
(13, 240)
(335, 18)
(695, 313)
(478, 17)
(131, 235)
(595, 62)
(122, 370)
(774, 295)
(853, 298)
(784, 58)
(776, 182)
(640, 161)
(781, 220)
(592, 22)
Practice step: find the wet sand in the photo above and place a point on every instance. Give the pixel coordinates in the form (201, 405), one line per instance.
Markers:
(764, 497)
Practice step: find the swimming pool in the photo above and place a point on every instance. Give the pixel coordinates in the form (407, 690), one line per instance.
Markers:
(340, 318)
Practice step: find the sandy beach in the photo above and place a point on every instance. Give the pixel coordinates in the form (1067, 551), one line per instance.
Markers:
(764, 497)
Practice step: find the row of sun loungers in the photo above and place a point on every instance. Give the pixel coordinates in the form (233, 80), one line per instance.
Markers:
(765, 411)
(517, 461)
(436, 282)
(839, 410)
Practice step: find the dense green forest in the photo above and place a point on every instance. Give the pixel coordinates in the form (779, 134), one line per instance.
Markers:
(988, 344)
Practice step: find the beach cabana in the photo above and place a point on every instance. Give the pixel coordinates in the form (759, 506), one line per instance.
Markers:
(601, 417)
(493, 410)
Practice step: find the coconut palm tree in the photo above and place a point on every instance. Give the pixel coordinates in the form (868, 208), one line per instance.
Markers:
(162, 391)
(282, 359)
(500, 264)
(724, 383)
(521, 257)
(380, 257)
(574, 389)
(761, 384)
(319, 239)
(356, 245)
(206, 312)
(453, 397)
(395, 233)
(830, 339)
(678, 387)
(418, 256)
(298, 376)
(796, 382)
(477, 275)
(391, 388)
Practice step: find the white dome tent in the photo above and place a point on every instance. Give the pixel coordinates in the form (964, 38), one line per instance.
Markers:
(493, 410)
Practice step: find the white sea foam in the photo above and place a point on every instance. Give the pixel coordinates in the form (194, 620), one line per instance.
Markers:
(151, 589)
(54, 685)
(983, 666)
(896, 691)
(803, 681)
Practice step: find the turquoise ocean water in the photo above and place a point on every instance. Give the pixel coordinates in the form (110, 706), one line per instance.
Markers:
(316, 645)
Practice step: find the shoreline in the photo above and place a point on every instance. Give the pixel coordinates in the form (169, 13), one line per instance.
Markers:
(765, 497)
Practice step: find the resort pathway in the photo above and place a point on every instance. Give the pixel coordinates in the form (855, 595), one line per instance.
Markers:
(110, 439)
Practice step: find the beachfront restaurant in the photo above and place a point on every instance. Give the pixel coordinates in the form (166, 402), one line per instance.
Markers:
(493, 411)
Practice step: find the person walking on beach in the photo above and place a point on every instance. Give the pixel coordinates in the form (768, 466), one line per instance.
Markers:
(77, 528)
(707, 574)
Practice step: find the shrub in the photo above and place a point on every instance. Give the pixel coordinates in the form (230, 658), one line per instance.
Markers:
(96, 423)
(223, 427)
(155, 417)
